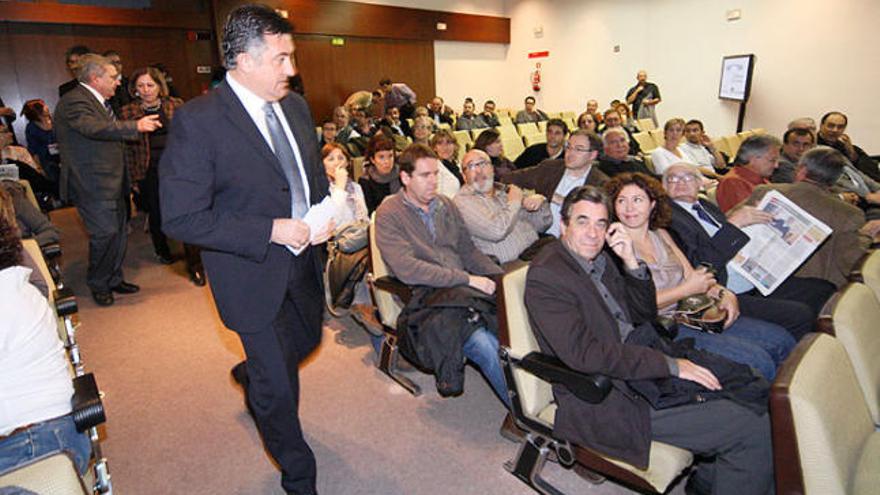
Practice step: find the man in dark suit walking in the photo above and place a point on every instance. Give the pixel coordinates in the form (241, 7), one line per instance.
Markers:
(240, 170)
(93, 175)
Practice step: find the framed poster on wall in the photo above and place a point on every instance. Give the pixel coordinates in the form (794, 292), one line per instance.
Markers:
(736, 77)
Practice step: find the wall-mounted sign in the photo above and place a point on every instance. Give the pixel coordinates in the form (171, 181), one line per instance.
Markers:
(539, 54)
(337, 41)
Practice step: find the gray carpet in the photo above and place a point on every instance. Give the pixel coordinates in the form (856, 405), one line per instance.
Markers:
(177, 423)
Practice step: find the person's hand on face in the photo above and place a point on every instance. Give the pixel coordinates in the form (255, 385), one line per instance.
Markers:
(620, 242)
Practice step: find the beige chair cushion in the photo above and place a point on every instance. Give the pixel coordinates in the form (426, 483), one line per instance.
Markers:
(52, 475)
(871, 272)
(665, 461)
(855, 324)
(388, 305)
(831, 421)
(868, 470)
(33, 249)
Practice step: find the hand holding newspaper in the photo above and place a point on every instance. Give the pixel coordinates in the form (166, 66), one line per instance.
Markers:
(317, 218)
(778, 248)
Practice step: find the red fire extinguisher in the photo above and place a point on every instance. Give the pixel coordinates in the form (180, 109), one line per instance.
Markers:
(536, 77)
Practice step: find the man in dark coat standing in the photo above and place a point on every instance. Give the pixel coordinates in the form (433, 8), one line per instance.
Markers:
(93, 175)
(240, 171)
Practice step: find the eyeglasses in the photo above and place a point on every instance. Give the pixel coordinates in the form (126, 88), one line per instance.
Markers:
(478, 164)
(579, 149)
(686, 178)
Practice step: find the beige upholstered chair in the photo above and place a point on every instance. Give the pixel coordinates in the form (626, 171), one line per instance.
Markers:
(854, 315)
(534, 409)
(867, 271)
(513, 147)
(531, 139)
(824, 440)
(50, 475)
(657, 136)
(527, 128)
(645, 140)
(645, 125)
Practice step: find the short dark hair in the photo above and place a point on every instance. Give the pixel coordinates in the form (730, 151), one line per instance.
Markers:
(595, 140)
(10, 236)
(823, 165)
(661, 215)
(834, 112)
(413, 153)
(486, 138)
(591, 194)
(610, 111)
(489, 102)
(379, 142)
(695, 122)
(529, 98)
(33, 109)
(245, 28)
(558, 123)
(754, 146)
(797, 131)
(76, 50)
(384, 81)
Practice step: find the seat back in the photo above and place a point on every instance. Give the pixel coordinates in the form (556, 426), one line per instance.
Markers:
(657, 136)
(855, 317)
(645, 140)
(645, 125)
(542, 126)
(870, 272)
(733, 141)
(819, 417)
(53, 474)
(534, 394)
(357, 164)
(513, 147)
(527, 128)
(389, 307)
(531, 139)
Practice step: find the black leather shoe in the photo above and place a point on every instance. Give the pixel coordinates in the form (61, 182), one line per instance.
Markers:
(125, 288)
(165, 259)
(103, 298)
(197, 278)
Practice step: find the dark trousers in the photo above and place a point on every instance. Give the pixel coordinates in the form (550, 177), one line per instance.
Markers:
(735, 439)
(150, 200)
(272, 385)
(105, 222)
(794, 305)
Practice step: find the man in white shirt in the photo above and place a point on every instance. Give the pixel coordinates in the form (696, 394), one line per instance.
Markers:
(698, 148)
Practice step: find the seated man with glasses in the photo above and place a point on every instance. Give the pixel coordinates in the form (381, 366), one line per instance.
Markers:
(554, 179)
(504, 222)
(706, 235)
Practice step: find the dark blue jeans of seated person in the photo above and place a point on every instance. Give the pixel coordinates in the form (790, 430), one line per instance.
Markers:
(48, 437)
(481, 348)
(750, 341)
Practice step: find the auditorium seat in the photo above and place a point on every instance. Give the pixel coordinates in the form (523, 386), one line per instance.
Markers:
(854, 314)
(645, 125)
(533, 407)
(824, 440)
(645, 140)
(29, 192)
(54, 474)
(733, 141)
(569, 115)
(721, 145)
(542, 125)
(357, 165)
(527, 128)
(505, 120)
(513, 147)
(531, 139)
(508, 132)
(657, 136)
(867, 271)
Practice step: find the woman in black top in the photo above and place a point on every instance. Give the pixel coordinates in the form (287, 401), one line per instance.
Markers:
(381, 177)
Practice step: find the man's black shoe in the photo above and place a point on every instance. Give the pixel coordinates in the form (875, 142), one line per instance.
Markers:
(198, 278)
(165, 259)
(125, 288)
(103, 298)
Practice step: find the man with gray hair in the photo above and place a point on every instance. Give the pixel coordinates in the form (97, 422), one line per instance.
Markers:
(757, 158)
(93, 175)
(504, 222)
(817, 172)
(615, 157)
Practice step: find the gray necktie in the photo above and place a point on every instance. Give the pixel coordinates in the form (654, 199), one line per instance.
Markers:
(285, 155)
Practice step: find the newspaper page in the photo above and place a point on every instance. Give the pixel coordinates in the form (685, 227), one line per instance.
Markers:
(778, 248)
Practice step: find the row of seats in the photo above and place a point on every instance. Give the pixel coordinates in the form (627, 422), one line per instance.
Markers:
(729, 145)
(56, 474)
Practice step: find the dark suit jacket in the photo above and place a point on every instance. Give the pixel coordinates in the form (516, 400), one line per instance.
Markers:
(221, 187)
(573, 323)
(91, 148)
(67, 86)
(696, 244)
(545, 176)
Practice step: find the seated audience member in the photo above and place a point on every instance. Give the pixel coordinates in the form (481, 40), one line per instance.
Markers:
(612, 121)
(425, 243)
(380, 177)
(553, 179)
(641, 206)
(817, 172)
(398, 95)
(398, 126)
(754, 164)
(832, 133)
(468, 119)
(328, 133)
(593, 109)
(40, 138)
(697, 148)
(488, 118)
(344, 132)
(489, 141)
(553, 149)
(446, 147)
(795, 142)
(346, 193)
(670, 153)
(808, 123)
(35, 381)
(32, 223)
(45, 190)
(587, 122)
(856, 188)
(503, 221)
(595, 318)
(12, 202)
(440, 113)
(705, 235)
(362, 123)
(529, 113)
(71, 60)
(422, 129)
(626, 120)
(615, 158)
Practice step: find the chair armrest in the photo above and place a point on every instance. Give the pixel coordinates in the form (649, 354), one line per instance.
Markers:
(591, 388)
(394, 286)
(65, 302)
(88, 410)
(51, 251)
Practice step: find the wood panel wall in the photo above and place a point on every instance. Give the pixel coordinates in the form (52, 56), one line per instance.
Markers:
(331, 73)
(32, 57)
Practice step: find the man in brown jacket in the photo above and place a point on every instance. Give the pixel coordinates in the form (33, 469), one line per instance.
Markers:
(582, 308)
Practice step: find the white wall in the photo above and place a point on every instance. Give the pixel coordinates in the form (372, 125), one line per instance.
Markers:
(812, 56)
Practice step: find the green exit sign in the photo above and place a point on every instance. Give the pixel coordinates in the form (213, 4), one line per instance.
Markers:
(337, 41)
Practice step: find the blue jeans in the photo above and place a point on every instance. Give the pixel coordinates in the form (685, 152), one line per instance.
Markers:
(45, 438)
(757, 343)
(482, 349)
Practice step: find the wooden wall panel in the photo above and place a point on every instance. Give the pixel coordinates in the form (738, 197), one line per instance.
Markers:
(331, 73)
(190, 14)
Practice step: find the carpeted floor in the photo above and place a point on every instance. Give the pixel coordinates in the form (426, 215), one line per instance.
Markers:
(177, 423)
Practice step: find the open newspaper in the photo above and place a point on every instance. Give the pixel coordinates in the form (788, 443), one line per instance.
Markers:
(778, 248)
